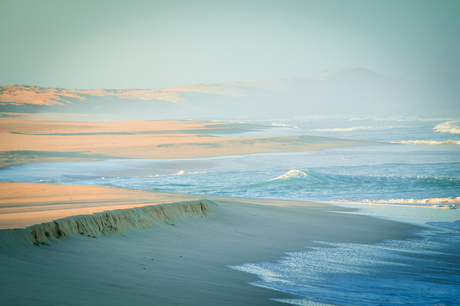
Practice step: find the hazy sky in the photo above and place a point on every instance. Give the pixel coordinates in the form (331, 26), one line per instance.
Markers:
(149, 44)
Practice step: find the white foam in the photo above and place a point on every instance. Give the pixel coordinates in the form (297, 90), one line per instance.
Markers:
(404, 119)
(448, 127)
(446, 203)
(357, 128)
(430, 142)
(291, 174)
(180, 172)
(399, 272)
(355, 118)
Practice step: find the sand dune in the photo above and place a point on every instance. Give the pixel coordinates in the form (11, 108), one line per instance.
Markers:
(34, 95)
(25, 204)
(344, 91)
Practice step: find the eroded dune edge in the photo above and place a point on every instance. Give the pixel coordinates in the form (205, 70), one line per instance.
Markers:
(107, 223)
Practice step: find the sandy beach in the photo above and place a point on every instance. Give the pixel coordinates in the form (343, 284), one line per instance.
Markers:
(181, 261)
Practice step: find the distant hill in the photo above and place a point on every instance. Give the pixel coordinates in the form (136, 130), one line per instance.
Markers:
(345, 91)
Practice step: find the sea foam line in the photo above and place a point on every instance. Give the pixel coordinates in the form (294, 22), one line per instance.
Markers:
(448, 203)
(357, 128)
(180, 172)
(430, 142)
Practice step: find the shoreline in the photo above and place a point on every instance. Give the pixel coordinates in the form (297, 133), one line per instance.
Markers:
(184, 263)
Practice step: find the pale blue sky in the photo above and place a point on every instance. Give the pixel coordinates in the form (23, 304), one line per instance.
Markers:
(149, 44)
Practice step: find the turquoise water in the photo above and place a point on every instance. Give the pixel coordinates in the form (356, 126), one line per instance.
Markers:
(391, 174)
(386, 172)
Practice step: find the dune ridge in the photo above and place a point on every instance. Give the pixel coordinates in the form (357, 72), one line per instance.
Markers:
(107, 223)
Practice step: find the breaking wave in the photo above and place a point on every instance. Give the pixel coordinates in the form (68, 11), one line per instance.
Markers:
(290, 174)
(448, 127)
(430, 142)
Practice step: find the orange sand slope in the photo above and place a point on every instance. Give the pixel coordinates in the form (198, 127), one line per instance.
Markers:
(25, 141)
(26, 204)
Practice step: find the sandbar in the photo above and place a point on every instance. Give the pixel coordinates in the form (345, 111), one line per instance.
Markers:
(26, 141)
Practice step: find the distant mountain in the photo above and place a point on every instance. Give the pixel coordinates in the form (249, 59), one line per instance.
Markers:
(344, 91)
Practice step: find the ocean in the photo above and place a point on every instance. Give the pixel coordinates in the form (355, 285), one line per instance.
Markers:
(410, 174)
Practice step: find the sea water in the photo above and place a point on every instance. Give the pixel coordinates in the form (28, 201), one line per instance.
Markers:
(412, 172)
(412, 272)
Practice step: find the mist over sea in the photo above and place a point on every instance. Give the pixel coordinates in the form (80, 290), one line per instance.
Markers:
(411, 173)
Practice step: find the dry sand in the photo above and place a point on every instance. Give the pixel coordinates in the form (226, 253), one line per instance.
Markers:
(180, 263)
(25, 141)
(26, 204)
